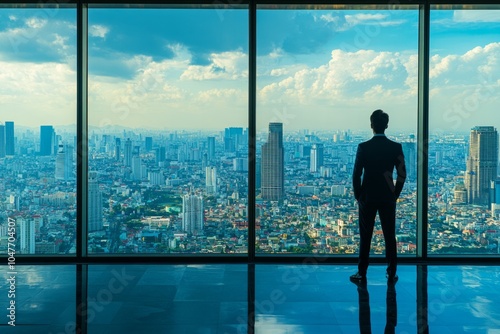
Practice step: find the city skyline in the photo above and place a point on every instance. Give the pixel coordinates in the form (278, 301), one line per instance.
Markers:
(186, 203)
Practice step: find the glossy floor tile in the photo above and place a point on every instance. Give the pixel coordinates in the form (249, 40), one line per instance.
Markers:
(283, 299)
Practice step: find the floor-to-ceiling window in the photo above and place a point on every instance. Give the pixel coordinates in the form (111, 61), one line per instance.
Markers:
(464, 75)
(168, 133)
(168, 130)
(320, 74)
(37, 130)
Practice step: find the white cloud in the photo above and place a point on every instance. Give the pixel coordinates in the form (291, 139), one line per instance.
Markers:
(346, 75)
(12, 17)
(364, 18)
(98, 31)
(469, 68)
(476, 16)
(277, 72)
(226, 65)
(39, 93)
(329, 18)
(36, 23)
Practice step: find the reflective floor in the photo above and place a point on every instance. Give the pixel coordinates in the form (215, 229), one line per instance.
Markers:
(250, 299)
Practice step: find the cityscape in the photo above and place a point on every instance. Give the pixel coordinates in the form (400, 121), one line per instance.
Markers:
(186, 191)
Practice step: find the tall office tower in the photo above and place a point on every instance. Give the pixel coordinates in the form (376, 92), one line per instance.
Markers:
(316, 158)
(160, 154)
(211, 148)
(211, 180)
(233, 138)
(95, 204)
(2, 141)
(46, 140)
(410, 153)
(204, 161)
(128, 153)
(136, 167)
(60, 160)
(9, 138)
(481, 164)
(272, 165)
(192, 213)
(149, 143)
(26, 235)
(64, 163)
(118, 146)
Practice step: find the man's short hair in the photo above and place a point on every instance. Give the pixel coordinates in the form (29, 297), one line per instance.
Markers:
(379, 120)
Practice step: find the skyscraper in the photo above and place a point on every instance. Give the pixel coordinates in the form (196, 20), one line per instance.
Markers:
(148, 143)
(272, 165)
(95, 204)
(211, 180)
(2, 141)
(233, 137)
(9, 138)
(160, 154)
(118, 145)
(481, 164)
(192, 213)
(316, 157)
(410, 153)
(211, 148)
(26, 235)
(128, 153)
(46, 140)
(64, 163)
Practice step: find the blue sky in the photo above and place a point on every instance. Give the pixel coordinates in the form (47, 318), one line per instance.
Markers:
(178, 68)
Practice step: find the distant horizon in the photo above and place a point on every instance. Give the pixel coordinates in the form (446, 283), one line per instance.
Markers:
(390, 131)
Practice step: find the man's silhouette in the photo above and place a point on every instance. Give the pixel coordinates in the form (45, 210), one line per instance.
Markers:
(375, 191)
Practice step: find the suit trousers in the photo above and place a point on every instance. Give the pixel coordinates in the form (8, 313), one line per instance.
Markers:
(387, 214)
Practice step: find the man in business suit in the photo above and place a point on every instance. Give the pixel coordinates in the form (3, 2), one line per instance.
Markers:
(375, 191)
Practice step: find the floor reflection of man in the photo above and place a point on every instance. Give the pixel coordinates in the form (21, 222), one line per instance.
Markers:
(365, 326)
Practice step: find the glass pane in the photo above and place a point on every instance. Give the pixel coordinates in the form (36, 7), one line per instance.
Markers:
(464, 190)
(37, 130)
(321, 73)
(168, 131)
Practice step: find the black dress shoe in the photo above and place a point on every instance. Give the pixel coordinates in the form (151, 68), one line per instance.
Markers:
(357, 277)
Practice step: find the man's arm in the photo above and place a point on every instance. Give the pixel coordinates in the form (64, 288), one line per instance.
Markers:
(356, 174)
(401, 172)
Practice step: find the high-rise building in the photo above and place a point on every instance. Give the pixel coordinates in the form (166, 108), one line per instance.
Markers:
(410, 153)
(160, 154)
(26, 235)
(128, 153)
(316, 157)
(2, 141)
(192, 213)
(136, 167)
(211, 180)
(481, 164)
(233, 138)
(148, 143)
(211, 148)
(118, 145)
(47, 140)
(9, 139)
(64, 163)
(272, 165)
(95, 204)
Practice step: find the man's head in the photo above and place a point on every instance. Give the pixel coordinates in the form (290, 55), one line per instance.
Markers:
(379, 121)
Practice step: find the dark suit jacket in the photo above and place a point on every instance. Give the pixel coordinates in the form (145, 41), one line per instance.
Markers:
(372, 178)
